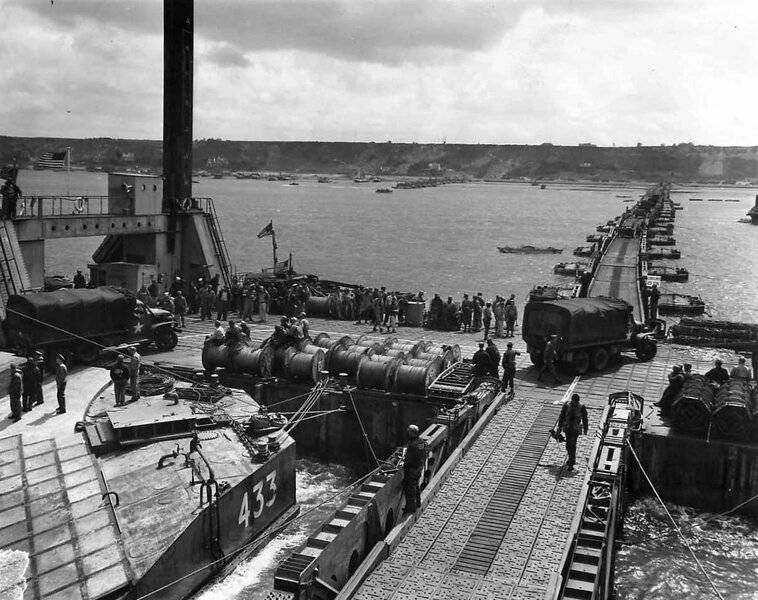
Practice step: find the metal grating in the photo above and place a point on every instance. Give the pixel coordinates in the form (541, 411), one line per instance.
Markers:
(483, 543)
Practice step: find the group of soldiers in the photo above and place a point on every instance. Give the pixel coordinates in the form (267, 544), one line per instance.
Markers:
(25, 386)
(473, 314)
(487, 361)
(123, 374)
(717, 376)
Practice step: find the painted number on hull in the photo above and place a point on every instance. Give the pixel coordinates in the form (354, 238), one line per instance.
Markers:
(259, 501)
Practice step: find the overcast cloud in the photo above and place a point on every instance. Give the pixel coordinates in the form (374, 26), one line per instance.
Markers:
(491, 72)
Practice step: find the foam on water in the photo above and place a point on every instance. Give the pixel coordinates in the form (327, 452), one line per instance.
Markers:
(253, 579)
(13, 564)
(654, 564)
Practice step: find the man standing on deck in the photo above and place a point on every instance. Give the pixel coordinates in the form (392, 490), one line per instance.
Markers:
(263, 300)
(119, 376)
(511, 314)
(29, 374)
(413, 466)
(655, 295)
(718, 375)
(494, 354)
(741, 371)
(572, 421)
(487, 319)
(180, 305)
(14, 394)
(477, 312)
(466, 314)
(509, 367)
(61, 376)
(482, 362)
(435, 312)
(135, 361)
(548, 359)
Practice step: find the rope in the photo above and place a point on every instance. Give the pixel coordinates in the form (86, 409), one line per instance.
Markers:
(678, 531)
(261, 538)
(363, 429)
(703, 523)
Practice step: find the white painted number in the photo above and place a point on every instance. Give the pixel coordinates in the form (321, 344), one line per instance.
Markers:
(271, 478)
(259, 500)
(258, 493)
(244, 518)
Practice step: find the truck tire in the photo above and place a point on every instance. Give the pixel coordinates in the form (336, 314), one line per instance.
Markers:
(646, 350)
(580, 362)
(536, 358)
(166, 338)
(600, 358)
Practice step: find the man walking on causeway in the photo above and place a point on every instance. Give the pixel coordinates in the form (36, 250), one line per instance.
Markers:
(572, 421)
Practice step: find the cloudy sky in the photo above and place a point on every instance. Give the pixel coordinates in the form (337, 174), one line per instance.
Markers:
(532, 71)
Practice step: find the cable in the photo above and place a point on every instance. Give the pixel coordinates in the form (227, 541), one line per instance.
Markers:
(679, 531)
(703, 523)
(261, 538)
(363, 429)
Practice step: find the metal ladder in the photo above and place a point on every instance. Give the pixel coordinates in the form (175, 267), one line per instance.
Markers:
(14, 277)
(219, 244)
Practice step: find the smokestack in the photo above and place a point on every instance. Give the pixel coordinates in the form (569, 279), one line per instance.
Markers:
(178, 28)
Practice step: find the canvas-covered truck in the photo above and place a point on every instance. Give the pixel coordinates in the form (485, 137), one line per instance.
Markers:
(80, 322)
(591, 332)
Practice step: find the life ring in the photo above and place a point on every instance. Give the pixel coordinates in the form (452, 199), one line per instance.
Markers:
(186, 204)
(79, 205)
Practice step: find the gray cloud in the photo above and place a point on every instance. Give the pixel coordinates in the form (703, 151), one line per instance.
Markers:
(225, 55)
(391, 31)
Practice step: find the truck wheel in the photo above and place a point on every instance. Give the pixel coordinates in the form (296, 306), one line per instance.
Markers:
(166, 338)
(600, 358)
(536, 358)
(580, 362)
(646, 349)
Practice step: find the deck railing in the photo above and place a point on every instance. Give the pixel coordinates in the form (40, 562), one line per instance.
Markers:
(40, 207)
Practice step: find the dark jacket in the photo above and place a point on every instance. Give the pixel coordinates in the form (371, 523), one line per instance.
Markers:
(482, 362)
(415, 455)
(573, 418)
(119, 374)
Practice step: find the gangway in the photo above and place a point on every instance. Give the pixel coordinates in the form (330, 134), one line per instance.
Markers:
(14, 278)
(219, 244)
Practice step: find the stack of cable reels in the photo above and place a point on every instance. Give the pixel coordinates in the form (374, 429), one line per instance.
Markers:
(691, 409)
(416, 378)
(733, 411)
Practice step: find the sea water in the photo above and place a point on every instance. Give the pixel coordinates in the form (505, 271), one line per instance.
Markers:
(444, 239)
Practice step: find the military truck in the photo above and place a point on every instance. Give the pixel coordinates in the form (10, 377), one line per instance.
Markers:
(590, 332)
(80, 322)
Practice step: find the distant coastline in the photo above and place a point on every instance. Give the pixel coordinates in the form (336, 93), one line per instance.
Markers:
(684, 163)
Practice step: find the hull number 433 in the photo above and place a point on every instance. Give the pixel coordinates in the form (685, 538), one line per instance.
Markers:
(259, 499)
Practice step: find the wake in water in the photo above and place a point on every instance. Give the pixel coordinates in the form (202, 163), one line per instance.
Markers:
(253, 579)
(653, 562)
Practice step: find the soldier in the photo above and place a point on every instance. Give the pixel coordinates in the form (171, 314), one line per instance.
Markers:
(120, 377)
(181, 307)
(263, 300)
(509, 366)
(40, 362)
(135, 361)
(466, 314)
(511, 314)
(478, 305)
(494, 354)
(14, 393)
(413, 466)
(435, 312)
(61, 376)
(548, 359)
(482, 362)
(655, 295)
(29, 375)
(487, 319)
(572, 421)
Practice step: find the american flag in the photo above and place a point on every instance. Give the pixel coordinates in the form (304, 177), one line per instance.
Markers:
(52, 160)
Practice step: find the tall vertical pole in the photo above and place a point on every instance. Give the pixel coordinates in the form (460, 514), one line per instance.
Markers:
(68, 170)
(178, 33)
(273, 247)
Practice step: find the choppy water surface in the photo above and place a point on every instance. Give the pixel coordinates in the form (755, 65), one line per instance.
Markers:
(654, 564)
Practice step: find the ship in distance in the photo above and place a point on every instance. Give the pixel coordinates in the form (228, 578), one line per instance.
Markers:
(529, 250)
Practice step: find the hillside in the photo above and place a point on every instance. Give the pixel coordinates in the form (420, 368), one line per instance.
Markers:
(683, 162)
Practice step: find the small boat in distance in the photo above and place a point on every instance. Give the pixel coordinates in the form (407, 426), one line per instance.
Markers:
(323, 179)
(541, 293)
(680, 304)
(667, 273)
(529, 250)
(584, 251)
(571, 269)
(383, 191)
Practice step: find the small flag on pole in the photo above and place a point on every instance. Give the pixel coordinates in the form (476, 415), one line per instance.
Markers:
(52, 160)
(267, 230)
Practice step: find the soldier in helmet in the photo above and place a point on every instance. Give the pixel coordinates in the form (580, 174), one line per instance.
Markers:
(413, 466)
(572, 421)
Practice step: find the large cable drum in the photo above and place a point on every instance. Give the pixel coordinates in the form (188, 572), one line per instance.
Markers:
(409, 346)
(377, 374)
(245, 359)
(385, 358)
(691, 409)
(446, 356)
(411, 379)
(308, 347)
(440, 350)
(321, 306)
(303, 366)
(395, 352)
(733, 411)
(383, 342)
(421, 362)
(215, 356)
(347, 360)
